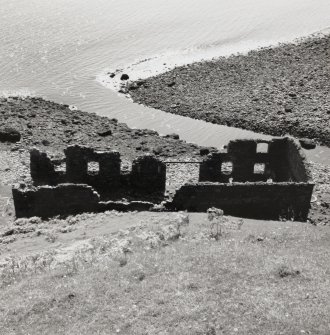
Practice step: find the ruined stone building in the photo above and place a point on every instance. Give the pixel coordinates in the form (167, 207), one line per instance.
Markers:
(256, 179)
(79, 189)
(251, 178)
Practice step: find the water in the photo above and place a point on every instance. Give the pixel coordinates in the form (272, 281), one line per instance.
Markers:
(59, 49)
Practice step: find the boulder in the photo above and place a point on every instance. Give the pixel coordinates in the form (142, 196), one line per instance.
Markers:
(104, 133)
(124, 76)
(204, 151)
(9, 135)
(150, 132)
(306, 143)
(173, 136)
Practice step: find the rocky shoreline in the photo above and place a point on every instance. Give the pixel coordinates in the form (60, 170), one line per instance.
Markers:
(276, 91)
(51, 126)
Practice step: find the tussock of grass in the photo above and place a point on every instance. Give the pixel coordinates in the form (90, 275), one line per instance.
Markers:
(285, 271)
(189, 285)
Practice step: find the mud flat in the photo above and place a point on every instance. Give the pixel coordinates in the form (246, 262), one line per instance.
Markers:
(276, 91)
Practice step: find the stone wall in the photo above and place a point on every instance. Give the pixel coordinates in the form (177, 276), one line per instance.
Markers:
(67, 199)
(288, 161)
(253, 200)
(210, 168)
(148, 174)
(42, 169)
(283, 161)
(81, 189)
(242, 154)
(297, 160)
(48, 201)
(108, 174)
(227, 179)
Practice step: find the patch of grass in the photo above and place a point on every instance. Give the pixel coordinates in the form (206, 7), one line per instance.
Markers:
(190, 285)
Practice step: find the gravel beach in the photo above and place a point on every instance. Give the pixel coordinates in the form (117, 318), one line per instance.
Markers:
(276, 91)
(52, 127)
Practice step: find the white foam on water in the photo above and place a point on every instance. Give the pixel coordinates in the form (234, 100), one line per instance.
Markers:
(157, 64)
(21, 93)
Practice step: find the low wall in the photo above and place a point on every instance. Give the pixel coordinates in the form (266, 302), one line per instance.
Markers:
(67, 199)
(252, 200)
(48, 201)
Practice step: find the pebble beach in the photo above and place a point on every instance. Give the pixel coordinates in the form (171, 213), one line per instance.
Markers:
(276, 91)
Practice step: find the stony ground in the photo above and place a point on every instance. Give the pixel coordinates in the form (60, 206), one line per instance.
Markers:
(276, 91)
(51, 126)
(320, 206)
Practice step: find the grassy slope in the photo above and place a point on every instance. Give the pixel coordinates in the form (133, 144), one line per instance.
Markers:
(267, 278)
